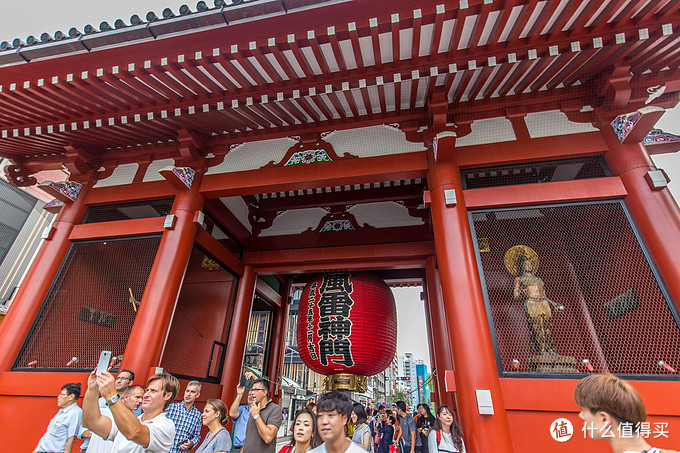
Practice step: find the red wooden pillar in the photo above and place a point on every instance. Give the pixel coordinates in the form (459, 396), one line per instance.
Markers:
(236, 342)
(431, 349)
(149, 332)
(655, 212)
(278, 345)
(439, 333)
(26, 306)
(468, 326)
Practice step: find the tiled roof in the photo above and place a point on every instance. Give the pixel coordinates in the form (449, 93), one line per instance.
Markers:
(151, 27)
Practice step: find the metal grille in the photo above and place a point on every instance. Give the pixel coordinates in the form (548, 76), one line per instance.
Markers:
(89, 308)
(585, 258)
(568, 170)
(201, 315)
(127, 211)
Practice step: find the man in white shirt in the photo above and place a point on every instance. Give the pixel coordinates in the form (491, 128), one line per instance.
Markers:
(132, 399)
(152, 432)
(334, 409)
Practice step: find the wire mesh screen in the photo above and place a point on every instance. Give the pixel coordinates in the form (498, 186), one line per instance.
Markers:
(201, 315)
(127, 211)
(92, 305)
(531, 173)
(570, 290)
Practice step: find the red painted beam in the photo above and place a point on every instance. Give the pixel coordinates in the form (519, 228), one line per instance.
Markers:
(532, 394)
(268, 292)
(538, 149)
(327, 174)
(127, 193)
(382, 256)
(549, 192)
(218, 251)
(135, 227)
(225, 219)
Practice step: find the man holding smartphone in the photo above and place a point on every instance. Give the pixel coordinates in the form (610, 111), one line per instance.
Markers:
(132, 398)
(151, 432)
(239, 413)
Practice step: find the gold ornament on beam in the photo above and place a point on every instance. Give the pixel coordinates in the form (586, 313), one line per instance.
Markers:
(346, 382)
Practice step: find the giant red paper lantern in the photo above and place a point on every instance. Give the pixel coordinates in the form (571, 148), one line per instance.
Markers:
(347, 323)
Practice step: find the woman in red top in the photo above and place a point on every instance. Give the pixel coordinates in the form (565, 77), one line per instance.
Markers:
(304, 433)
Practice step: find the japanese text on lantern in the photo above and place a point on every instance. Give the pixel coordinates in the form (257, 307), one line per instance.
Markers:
(335, 326)
(310, 321)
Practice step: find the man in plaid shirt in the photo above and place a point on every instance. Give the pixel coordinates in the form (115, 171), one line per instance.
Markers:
(187, 419)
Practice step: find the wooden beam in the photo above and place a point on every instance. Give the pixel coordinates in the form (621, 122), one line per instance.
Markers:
(535, 150)
(545, 193)
(219, 252)
(128, 193)
(327, 174)
(123, 228)
(381, 256)
(227, 220)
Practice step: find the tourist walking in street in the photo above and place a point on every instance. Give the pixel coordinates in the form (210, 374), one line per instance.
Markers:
(424, 424)
(446, 435)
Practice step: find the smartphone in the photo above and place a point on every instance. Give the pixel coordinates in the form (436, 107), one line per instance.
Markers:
(104, 359)
(247, 383)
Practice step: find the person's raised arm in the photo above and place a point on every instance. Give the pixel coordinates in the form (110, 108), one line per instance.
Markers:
(92, 416)
(128, 424)
(233, 409)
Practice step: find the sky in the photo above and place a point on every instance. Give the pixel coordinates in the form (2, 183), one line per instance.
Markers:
(23, 18)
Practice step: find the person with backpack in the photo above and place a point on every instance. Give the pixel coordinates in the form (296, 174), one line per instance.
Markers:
(446, 436)
(424, 424)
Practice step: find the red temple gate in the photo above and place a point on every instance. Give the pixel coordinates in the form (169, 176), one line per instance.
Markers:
(417, 141)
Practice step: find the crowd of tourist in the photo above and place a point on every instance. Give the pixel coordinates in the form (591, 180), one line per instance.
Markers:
(111, 421)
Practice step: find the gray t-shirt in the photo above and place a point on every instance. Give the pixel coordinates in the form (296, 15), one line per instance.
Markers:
(408, 425)
(358, 436)
(271, 415)
(219, 442)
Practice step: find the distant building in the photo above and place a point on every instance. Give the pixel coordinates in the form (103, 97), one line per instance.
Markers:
(422, 380)
(21, 225)
(411, 386)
